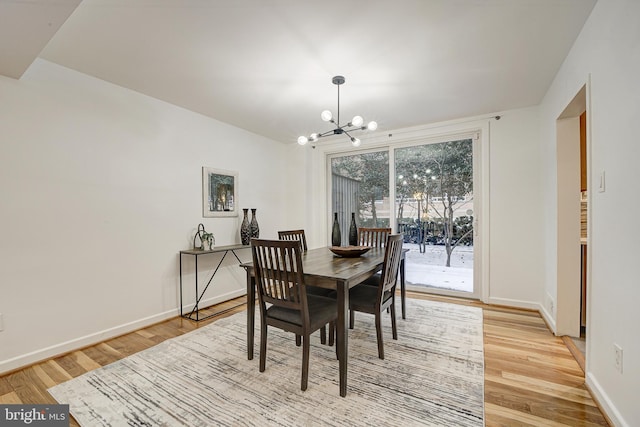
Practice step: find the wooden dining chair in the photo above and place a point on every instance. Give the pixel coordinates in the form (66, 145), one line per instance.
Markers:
(294, 235)
(376, 299)
(298, 235)
(280, 284)
(374, 237)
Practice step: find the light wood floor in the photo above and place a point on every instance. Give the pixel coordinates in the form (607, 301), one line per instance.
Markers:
(531, 378)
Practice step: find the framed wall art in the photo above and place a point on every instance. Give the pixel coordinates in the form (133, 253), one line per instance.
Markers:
(219, 193)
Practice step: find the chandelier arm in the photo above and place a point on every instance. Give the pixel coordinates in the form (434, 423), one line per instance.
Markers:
(351, 129)
(329, 132)
(346, 132)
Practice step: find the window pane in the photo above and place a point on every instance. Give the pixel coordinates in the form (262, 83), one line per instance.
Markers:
(360, 185)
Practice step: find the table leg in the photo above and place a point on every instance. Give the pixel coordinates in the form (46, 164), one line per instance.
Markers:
(341, 334)
(403, 291)
(251, 312)
(195, 307)
(181, 314)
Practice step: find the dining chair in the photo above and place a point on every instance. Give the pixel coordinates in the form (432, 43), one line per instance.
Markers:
(298, 235)
(376, 299)
(374, 237)
(294, 235)
(283, 298)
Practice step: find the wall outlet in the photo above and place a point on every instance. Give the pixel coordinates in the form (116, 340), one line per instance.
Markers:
(618, 357)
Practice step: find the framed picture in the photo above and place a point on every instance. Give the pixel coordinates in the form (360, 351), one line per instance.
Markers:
(219, 193)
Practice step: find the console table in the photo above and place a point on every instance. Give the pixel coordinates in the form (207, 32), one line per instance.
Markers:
(196, 253)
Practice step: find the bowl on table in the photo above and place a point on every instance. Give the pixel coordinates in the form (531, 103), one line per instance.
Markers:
(349, 251)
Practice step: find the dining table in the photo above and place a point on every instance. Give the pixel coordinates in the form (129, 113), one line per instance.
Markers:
(324, 269)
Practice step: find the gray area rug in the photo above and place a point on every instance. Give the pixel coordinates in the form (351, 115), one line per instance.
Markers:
(433, 375)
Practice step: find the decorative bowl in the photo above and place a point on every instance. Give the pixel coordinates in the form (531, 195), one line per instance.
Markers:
(349, 251)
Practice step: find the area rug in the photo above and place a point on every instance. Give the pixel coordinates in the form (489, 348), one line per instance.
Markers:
(432, 375)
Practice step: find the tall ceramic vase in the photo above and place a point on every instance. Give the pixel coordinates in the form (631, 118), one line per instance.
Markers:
(245, 230)
(353, 231)
(253, 226)
(336, 238)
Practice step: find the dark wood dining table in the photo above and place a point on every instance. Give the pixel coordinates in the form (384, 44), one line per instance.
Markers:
(324, 269)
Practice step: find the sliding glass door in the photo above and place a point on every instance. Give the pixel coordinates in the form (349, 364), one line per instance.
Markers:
(434, 209)
(426, 192)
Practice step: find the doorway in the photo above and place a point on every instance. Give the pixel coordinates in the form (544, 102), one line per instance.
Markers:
(573, 200)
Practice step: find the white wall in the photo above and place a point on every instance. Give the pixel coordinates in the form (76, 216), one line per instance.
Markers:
(514, 267)
(516, 211)
(607, 53)
(101, 187)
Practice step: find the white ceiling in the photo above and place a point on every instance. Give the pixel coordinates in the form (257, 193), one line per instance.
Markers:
(266, 65)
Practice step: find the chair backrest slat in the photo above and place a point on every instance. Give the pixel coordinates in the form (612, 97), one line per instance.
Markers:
(294, 235)
(374, 237)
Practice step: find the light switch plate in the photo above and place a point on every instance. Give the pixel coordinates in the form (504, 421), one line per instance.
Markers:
(601, 186)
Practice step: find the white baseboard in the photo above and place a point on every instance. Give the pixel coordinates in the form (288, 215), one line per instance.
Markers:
(24, 360)
(514, 303)
(549, 319)
(605, 403)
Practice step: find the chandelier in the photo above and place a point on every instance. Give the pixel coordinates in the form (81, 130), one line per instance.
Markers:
(357, 123)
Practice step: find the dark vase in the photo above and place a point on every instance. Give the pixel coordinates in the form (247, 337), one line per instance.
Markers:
(245, 230)
(353, 231)
(253, 226)
(336, 238)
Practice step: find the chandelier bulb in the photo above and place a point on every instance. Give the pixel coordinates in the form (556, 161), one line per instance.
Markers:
(302, 140)
(326, 116)
(355, 142)
(313, 137)
(372, 125)
(357, 121)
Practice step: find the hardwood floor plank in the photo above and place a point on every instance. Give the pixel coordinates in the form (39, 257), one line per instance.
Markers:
(11, 398)
(85, 361)
(540, 356)
(55, 371)
(28, 387)
(68, 363)
(569, 392)
(499, 416)
(102, 354)
(130, 344)
(5, 387)
(542, 405)
(553, 376)
(44, 377)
